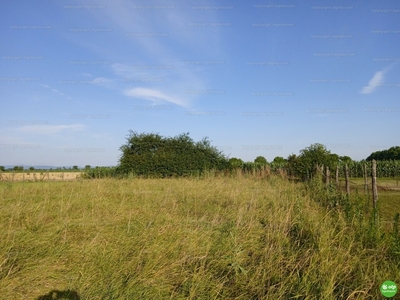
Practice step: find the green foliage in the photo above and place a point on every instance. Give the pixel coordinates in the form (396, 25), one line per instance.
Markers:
(355, 209)
(384, 168)
(259, 164)
(396, 235)
(279, 160)
(2, 168)
(18, 168)
(152, 155)
(236, 162)
(99, 172)
(261, 160)
(326, 195)
(345, 159)
(292, 164)
(252, 166)
(75, 168)
(304, 165)
(392, 153)
(278, 163)
(87, 167)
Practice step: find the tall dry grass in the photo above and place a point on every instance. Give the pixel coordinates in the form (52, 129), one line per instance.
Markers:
(236, 237)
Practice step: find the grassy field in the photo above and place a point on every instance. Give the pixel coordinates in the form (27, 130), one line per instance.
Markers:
(388, 195)
(383, 183)
(210, 238)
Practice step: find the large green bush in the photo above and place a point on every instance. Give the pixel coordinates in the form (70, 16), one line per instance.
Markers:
(152, 155)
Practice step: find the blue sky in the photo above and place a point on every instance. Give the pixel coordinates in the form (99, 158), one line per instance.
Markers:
(258, 78)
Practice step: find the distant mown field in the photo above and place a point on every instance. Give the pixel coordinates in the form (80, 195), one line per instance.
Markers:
(39, 176)
(237, 237)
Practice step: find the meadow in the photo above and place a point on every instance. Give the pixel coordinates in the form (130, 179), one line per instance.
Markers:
(214, 237)
(388, 195)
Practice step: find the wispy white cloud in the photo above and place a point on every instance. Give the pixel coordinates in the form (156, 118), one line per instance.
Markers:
(164, 76)
(375, 82)
(162, 82)
(54, 90)
(173, 20)
(50, 129)
(154, 95)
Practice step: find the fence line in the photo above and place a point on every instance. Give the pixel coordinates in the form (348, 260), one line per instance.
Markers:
(374, 187)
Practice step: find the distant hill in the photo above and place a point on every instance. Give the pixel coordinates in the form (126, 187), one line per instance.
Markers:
(392, 153)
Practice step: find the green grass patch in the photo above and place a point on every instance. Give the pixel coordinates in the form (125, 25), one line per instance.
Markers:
(210, 238)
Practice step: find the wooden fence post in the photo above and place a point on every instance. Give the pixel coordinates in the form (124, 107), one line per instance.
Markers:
(320, 172)
(374, 187)
(316, 171)
(328, 176)
(337, 176)
(347, 180)
(365, 179)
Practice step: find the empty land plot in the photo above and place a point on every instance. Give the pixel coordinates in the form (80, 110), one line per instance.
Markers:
(212, 238)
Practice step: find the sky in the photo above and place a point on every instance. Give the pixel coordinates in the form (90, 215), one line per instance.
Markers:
(257, 78)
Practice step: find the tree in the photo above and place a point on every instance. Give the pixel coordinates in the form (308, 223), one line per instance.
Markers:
(345, 159)
(316, 154)
(31, 168)
(279, 160)
(150, 154)
(2, 168)
(332, 160)
(75, 168)
(261, 160)
(87, 167)
(292, 164)
(278, 163)
(18, 168)
(236, 162)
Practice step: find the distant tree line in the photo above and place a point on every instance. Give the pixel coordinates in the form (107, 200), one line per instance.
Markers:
(152, 155)
(392, 153)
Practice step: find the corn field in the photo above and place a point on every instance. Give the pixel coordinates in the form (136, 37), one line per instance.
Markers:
(384, 168)
(388, 168)
(99, 172)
